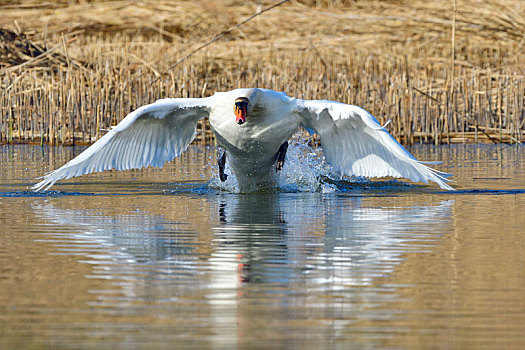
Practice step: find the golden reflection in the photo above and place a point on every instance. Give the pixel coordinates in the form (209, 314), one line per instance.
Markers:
(397, 269)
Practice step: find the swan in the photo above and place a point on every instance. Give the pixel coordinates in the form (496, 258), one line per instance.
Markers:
(253, 126)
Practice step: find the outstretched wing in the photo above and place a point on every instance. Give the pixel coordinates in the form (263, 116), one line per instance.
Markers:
(151, 135)
(356, 144)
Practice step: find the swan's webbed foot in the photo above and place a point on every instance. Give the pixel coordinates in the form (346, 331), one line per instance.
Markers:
(281, 155)
(222, 162)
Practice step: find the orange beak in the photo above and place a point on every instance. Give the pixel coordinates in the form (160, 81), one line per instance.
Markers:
(240, 113)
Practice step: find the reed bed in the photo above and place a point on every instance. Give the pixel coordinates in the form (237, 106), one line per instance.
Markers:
(105, 59)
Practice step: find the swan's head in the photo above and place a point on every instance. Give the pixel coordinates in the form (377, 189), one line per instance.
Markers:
(241, 109)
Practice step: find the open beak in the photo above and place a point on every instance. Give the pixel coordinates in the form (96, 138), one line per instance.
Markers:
(240, 114)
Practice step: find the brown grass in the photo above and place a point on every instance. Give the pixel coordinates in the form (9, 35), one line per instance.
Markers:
(393, 58)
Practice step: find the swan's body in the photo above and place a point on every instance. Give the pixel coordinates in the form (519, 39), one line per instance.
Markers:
(352, 139)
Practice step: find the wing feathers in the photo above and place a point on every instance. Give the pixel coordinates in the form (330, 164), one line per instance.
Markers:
(150, 135)
(356, 144)
(352, 139)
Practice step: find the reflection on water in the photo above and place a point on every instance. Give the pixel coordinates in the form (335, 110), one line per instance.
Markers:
(285, 250)
(122, 261)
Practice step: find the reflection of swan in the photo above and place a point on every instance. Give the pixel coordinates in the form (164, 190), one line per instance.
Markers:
(293, 251)
(253, 231)
(289, 252)
(254, 126)
(283, 231)
(133, 238)
(373, 240)
(143, 254)
(335, 230)
(258, 230)
(300, 256)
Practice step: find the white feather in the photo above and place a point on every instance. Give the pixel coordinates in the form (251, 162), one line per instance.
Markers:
(355, 143)
(352, 139)
(151, 135)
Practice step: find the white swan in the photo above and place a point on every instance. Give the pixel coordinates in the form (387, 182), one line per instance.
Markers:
(253, 126)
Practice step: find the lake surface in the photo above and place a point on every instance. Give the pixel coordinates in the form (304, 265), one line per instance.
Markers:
(166, 258)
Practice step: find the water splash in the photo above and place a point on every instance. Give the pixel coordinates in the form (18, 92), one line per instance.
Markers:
(305, 170)
(230, 185)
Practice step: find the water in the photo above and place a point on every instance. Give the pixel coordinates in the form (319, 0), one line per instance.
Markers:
(161, 259)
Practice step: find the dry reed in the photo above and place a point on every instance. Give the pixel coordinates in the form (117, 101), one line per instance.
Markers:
(393, 58)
